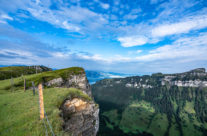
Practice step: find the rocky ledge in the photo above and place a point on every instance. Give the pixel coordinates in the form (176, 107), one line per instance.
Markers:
(193, 78)
(80, 117)
(78, 81)
(79, 112)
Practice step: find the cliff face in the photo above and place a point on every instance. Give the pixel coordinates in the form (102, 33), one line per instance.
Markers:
(158, 105)
(78, 81)
(193, 78)
(81, 116)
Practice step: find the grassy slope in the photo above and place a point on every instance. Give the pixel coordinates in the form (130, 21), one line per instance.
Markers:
(19, 112)
(41, 77)
(16, 71)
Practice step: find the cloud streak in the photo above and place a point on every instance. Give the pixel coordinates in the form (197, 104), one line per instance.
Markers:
(131, 41)
(192, 23)
(191, 48)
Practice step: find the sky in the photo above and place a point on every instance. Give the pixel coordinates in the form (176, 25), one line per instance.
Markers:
(127, 36)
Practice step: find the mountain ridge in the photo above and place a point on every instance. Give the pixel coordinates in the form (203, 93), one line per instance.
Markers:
(158, 105)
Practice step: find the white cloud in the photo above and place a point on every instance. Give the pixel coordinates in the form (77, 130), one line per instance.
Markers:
(131, 41)
(192, 23)
(104, 5)
(3, 22)
(74, 18)
(130, 17)
(135, 52)
(15, 53)
(70, 27)
(191, 48)
(133, 14)
(138, 51)
(99, 58)
(4, 16)
(173, 18)
(155, 33)
(120, 58)
(38, 1)
(95, 57)
(59, 54)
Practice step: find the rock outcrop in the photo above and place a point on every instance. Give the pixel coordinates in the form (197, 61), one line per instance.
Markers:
(80, 117)
(193, 78)
(78, 81)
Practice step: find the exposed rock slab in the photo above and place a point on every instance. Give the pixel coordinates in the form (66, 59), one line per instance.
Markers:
(80, 117)
(77, 81)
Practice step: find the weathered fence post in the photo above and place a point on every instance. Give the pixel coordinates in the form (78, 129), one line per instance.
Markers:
(41, 101)
(33, 87)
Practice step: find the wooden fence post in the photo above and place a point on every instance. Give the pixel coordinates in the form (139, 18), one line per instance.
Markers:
(41, 101)
(33, 87)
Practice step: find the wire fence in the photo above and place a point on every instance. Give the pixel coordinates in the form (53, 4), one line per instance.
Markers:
(49, 125)
(46, 122)
(46, 133)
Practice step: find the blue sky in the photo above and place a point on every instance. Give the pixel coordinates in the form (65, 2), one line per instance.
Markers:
(128, 36)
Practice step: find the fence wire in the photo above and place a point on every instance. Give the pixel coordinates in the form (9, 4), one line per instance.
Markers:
(48, 122)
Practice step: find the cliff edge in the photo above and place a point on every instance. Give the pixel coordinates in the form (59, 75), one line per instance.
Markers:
(80, 114)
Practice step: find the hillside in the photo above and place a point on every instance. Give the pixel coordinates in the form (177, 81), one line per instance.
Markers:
(157, 105)
(66, 100)
(16, 71)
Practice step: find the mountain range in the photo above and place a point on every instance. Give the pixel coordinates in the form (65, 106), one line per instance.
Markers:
(153, 105)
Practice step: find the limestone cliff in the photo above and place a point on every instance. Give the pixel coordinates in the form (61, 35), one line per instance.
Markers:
(78, 81)
(193, 78)
(80, 114)
(80, 117)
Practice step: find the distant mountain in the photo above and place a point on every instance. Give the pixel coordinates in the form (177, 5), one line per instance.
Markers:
(94, 76)
(156, 105)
